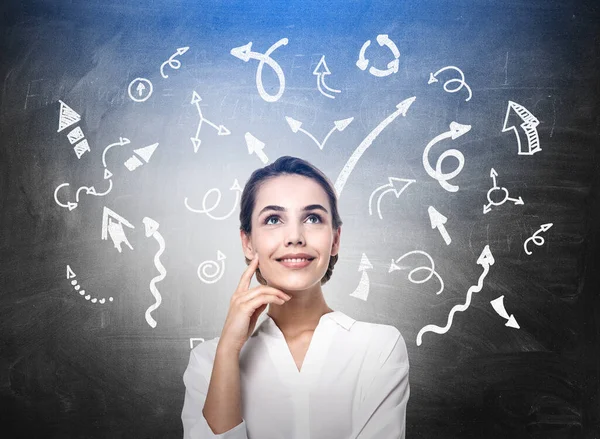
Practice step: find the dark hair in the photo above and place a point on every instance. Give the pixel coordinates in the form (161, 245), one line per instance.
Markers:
(286, 165)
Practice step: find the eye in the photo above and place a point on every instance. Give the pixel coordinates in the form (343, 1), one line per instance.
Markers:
(314, 215)
(269, 217)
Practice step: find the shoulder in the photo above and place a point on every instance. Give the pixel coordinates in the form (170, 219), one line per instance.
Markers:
(203, 354)
(385, 342)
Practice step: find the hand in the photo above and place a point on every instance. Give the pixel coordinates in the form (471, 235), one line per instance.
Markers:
(245, 307)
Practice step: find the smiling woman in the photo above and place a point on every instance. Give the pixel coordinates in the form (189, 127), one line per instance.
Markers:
(305, 371)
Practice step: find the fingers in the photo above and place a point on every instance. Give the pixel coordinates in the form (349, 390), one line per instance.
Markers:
(264, 290)
(247, 275)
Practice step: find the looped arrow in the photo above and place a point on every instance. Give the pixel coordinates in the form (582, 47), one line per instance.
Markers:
(461, 82)
(245, 53)
(392, 67)
(537, 240)
(172, 62)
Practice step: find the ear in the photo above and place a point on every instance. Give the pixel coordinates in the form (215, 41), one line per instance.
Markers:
(247, 245)
(335, 247)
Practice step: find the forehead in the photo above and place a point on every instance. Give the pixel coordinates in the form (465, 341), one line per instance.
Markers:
(291, 192)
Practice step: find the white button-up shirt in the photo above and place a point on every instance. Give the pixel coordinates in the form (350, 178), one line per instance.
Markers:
(353, 384)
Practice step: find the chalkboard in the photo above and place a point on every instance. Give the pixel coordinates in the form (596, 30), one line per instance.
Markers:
(463, 139)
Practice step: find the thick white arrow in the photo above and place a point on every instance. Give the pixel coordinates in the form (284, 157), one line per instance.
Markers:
(498, 305)
(437, 221)
(362, 290)
(256, 146)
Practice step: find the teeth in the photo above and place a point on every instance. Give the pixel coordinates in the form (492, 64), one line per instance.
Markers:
(293, 260)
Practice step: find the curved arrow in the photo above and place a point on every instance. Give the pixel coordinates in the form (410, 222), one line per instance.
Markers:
(173, 63)
(244, 53)
(236, 187)
(122, 141)
(456, 130)
(461, 81)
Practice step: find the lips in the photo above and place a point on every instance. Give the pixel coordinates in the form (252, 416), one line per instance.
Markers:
(296, 263)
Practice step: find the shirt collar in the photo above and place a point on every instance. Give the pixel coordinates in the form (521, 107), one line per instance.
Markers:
(338, 317)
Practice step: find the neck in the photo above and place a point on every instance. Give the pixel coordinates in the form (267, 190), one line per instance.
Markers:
(302, 313)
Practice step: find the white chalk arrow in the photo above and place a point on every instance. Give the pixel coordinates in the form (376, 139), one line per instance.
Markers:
(455, 131)
(67, 116)
(245, 54)
(122, 142)
(151, 230)
(389, 187)
(320, 71)
(70, 273)
(256, 146)
(437, 221)
(401, 109)
(112, 225)
(338, 125)
(529, 126)
(498, 305)
(486, 259)
(362, 290)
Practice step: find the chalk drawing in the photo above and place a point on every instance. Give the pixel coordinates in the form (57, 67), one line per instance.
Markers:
(388, 187)
(498, 305)
(505, 198)
(75, 135)
(456, 130)
(145, 153)
(486, 259)
(81, 148)
(140, 89)
(238, 192)
(256, 146)
(89, 190)
(537, 240)
(172, 62)
(437, 221)
(122, 142)
(112, 226)
(429, 269)
(529, 126)
(392, 67)
(151, 230)
(338, 125)
(71, 275)
(320, 71)
(192, 340)
(461, 82)
(221, 130)
(245, 54)
(401, 109)
(217, 267)
(362, 290)
(67, 116)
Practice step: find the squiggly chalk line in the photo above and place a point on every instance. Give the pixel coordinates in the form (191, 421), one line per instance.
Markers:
(486, 259)
(151, 230)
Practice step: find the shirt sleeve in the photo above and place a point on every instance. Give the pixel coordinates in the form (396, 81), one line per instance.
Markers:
(195, 425)
(382, 412)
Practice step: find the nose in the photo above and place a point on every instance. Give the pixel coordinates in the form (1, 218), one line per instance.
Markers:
(295, 235)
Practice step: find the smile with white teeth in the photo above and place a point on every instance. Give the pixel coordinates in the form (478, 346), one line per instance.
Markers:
(295, 260)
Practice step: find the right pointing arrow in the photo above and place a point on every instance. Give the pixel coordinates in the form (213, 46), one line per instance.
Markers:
(437, 221)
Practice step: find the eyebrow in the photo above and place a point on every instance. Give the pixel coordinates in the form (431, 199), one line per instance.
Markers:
(283, 209)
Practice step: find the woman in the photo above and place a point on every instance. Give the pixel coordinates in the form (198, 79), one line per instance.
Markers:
(305, 371)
